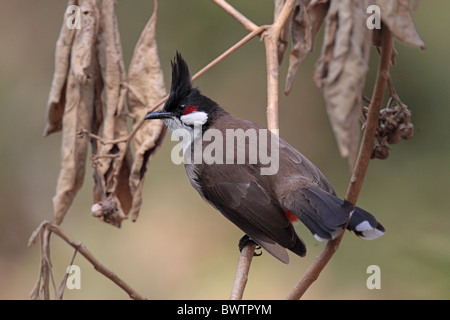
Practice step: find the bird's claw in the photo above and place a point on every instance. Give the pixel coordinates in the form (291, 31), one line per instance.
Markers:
(246, 240)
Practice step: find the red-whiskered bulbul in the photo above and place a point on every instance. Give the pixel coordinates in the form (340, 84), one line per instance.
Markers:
(263, 206)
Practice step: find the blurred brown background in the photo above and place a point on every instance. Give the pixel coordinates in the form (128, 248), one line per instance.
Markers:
(180, 247)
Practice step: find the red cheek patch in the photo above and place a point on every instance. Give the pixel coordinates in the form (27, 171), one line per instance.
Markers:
(190, 109)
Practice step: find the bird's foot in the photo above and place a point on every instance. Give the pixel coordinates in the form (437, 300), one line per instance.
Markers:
(246, 240)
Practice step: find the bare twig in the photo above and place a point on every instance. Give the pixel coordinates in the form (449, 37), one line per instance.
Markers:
(271, 43)
(256, 32)
(48, 227)
(360, 169)
(249, 25)
(240, 280)
(270, 37)
(60, 292)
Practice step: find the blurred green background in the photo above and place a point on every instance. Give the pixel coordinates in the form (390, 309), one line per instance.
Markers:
(180, 247)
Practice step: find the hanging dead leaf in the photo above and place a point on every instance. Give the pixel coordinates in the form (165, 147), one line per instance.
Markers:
(397, 16)
(341, 71)
(56, 99)
(283, 41)
(307, 19)
(115, 125)
(78, 115)
(145, 88)
(82, 53)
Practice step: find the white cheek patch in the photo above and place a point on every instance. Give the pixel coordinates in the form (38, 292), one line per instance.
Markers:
(195, 117)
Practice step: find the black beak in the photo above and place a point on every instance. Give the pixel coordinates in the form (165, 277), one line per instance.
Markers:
(160, 114)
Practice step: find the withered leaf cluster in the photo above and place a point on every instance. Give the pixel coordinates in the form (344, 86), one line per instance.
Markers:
(92, 99)
(394, 124)
(343, 64)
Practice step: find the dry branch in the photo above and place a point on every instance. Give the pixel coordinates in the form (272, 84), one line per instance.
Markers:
(271, 44)
(44, 230)
(247, 23)
(360, 169)
(243, 268)
(271, 41)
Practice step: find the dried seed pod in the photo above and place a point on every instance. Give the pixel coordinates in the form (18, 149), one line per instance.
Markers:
(109, 211)
(393, 137)
(406, 130)
(380, 152)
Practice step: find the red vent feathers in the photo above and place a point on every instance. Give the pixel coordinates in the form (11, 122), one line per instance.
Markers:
(292, 217)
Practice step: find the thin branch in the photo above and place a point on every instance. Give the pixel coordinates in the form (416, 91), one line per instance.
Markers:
(249, 25)
(256, 32)
(243, 268)
(270, 40)
(48, 226)
(360, 169)
(271, 43)
(60, 292)
(373, 113)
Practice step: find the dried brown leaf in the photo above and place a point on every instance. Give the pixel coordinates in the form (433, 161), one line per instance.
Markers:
(397, 16)
(55, 104)
(115, 121)
(82, 51)
(145, 88)
(341, 71)
(78, 115)
(145, 77)
(143, 155)
(307, 19)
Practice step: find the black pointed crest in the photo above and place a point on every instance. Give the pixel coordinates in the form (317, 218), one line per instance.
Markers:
(181, 81)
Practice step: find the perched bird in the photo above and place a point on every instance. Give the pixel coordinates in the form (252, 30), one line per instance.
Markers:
(264, 206)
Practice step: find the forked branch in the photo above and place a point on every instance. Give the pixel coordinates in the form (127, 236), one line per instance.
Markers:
(46, 228)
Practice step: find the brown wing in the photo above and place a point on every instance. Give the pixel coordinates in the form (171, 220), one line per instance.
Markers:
(234, 191)
(303, 190)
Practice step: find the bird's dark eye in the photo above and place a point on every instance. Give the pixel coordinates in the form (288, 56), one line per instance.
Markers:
(182, 106)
